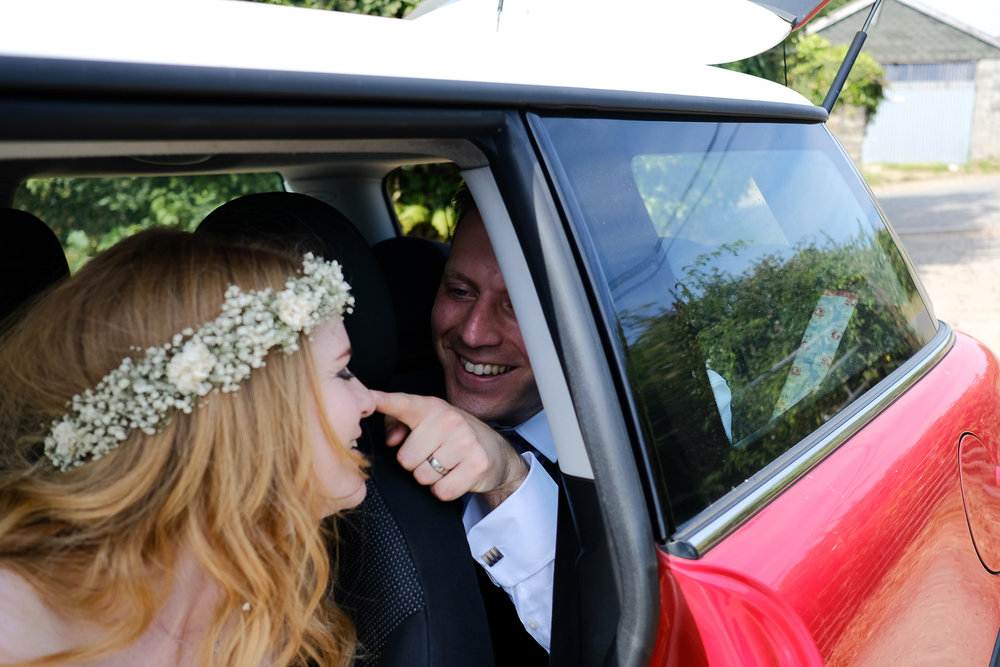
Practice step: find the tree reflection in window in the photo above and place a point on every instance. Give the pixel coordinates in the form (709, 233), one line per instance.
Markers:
(749, 328)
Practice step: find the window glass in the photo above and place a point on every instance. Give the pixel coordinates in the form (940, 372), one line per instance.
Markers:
(421, 195)
(91, 214)
(755, 288)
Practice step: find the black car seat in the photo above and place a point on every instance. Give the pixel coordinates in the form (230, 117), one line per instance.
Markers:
(31, 260)
(413, 267)
(299, 221)
(405, 575)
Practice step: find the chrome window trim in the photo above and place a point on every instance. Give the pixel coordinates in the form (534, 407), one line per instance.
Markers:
(710, 527)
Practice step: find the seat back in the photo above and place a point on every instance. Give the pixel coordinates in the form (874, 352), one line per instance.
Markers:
(289, 219)
(413, 267)
(31, 260)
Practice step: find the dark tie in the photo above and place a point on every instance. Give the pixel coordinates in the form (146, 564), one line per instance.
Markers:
(521, 445)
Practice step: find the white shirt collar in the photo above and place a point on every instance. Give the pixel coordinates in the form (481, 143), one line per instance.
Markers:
(536, 431)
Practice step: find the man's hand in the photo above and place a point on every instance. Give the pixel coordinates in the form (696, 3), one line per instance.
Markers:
(474, 457)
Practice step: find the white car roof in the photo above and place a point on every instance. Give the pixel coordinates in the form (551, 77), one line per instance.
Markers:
(557, 43)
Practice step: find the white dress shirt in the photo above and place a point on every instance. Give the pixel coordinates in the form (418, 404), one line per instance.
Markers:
(516, 542)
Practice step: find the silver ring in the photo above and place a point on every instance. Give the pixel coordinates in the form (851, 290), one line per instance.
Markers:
(438, 468)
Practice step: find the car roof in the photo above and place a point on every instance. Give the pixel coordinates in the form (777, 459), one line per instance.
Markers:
(658, 57)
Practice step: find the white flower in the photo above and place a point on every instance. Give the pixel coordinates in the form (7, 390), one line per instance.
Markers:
(191, 367)
(217, 356)
(294, 309)
(66, 440)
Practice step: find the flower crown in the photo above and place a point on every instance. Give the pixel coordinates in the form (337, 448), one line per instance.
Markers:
(142, 394)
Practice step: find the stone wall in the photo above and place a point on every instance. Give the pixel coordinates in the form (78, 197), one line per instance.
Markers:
(847, 123)
(985, 140)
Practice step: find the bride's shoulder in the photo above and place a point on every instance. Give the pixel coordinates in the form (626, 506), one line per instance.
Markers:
(28, 627)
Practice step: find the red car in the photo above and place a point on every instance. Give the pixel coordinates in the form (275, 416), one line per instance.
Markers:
(771, 451)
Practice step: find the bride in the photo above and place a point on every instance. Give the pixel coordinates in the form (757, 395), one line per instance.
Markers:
(175, 421)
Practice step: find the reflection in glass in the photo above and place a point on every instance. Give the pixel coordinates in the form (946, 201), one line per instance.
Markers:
(756, 290)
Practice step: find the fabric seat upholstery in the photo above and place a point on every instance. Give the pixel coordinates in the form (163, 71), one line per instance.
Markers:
(31, 260)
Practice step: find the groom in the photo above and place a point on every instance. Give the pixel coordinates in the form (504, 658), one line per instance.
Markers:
(456, 448)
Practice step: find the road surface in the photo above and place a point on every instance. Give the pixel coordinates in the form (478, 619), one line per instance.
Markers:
(951, 230)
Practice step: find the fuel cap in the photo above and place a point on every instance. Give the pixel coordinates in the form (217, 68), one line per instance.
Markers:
(981, 495)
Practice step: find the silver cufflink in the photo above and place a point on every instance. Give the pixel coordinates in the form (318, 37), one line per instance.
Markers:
(492, 557)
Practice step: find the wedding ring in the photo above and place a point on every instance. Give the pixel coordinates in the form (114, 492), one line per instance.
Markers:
(438, 468)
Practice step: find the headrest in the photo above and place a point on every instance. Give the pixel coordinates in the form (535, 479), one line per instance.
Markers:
(31, 259)
(412, 268)
(298, 221)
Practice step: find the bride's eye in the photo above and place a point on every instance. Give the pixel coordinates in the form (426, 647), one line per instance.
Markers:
(345, 374)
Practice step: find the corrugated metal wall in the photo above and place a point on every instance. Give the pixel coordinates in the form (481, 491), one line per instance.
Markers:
(926, 115)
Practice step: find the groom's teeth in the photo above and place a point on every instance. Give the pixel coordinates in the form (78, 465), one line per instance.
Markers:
(484, 369)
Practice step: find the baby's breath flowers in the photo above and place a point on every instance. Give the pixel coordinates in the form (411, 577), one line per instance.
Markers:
(143, 393)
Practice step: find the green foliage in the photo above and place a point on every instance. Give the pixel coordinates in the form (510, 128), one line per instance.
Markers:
(833, 6)
(808, 65)
(815, 65)
(748, 328)
(745, 324)
(91, 214)
(422, 196)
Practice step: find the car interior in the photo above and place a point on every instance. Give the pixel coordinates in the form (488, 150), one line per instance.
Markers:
(405, 573)
(30, 261)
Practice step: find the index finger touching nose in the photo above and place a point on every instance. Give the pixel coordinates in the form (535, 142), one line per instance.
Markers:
(410, 409)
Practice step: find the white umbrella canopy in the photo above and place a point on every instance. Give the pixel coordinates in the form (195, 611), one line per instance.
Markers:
(698, 32)
(644, 46)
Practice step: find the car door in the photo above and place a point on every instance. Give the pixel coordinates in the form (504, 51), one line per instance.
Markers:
(797, 408)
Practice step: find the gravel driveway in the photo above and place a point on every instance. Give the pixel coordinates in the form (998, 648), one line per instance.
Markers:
(951, 230)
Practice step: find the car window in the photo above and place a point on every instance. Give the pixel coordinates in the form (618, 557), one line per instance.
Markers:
(421, 196)
(91, 214)
(756, 290)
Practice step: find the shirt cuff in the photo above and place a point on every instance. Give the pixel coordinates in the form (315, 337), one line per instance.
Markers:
(518, 538)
